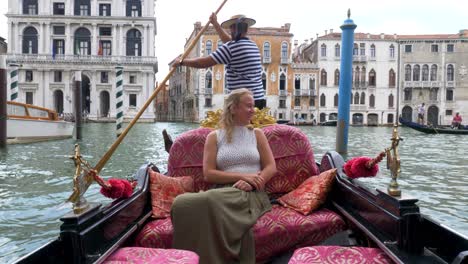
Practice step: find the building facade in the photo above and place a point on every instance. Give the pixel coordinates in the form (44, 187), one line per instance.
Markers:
(55, 43)
(433, 70)
(193, 92)
(375, 73)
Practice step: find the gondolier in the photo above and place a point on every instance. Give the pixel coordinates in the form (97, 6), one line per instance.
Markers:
(421, 111)
(240, 55)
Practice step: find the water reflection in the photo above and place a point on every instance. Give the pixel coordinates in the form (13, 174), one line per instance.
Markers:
(36, 179)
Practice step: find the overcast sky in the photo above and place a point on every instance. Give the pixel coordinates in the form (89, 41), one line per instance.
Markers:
(175, 18)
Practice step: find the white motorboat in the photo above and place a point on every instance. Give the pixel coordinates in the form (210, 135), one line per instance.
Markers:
(28, 123)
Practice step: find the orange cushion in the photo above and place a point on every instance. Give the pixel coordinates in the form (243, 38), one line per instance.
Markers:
(163, 191)
(310, 194)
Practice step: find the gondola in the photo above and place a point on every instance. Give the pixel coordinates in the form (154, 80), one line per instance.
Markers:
(328, 123)
(374, 218)
(433, 130)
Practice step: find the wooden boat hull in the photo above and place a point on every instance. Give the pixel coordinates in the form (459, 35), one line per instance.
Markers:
(24, 130)
(329, 123)
(432, 130)
(395, 225)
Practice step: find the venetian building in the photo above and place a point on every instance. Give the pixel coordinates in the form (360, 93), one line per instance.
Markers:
(305, 85)
(55, 43)
(375, 69)
(433, 70)
(193, 92)
(161, 103)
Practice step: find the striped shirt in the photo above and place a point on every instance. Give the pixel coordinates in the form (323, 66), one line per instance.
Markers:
(243, 66)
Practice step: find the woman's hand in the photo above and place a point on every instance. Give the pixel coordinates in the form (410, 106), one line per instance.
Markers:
(255, 180)
(243, 185)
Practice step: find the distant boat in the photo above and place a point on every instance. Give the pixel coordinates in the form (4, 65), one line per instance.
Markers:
(28, 123)
(328, 123)
(433, 130)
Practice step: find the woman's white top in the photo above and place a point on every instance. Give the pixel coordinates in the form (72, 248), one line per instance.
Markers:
(241, 155)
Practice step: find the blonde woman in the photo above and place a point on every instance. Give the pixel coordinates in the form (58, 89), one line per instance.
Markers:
(216, 224)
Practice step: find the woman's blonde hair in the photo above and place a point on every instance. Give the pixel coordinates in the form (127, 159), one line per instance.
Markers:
(227, 118)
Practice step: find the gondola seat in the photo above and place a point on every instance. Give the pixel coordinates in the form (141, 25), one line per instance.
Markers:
(337, 254)
(279, 230)
(138, 255)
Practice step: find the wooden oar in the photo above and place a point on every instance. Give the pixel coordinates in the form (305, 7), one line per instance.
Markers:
(117, 142)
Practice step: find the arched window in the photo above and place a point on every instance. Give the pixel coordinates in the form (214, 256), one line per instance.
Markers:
(297, 82)
(363, 98)
(322, 100)
(356, 98)
(266, 50)
(264, 80)
(282, 82)
(312, 84)
(30, 7)
(407, 94)
(133, 42)
(372, 51)
(392, 51)
(335, 100)
(208, 47)
(357, 75)
(337, 77)
(363, 76)
(323, 77)
(133, 8)
(208, 80)
(337, 50)
(371, 100)
(323, 50)
(391, 78)
(220, 43)
(284, 51)
(434, 72)
(425, 72)
(355, 49)
(408, 73)
(30, 41)
(372, 78)
(450, 72)
(416, 72)
(390, 100)
(82, 42)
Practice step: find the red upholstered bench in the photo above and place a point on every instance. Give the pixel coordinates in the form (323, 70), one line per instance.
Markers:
(337, 254)
(280, 230)
(138, 255)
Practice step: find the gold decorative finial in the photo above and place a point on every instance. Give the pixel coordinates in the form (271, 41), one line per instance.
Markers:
(81, 181)
(393, 163)
(349, 13)
(260, 119)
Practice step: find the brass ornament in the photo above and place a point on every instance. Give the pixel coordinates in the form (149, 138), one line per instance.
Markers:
(393, 163)
(260, 119)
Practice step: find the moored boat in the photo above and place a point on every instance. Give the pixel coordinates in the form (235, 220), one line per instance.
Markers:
(434, 130)
(328, 123)
(29, 123)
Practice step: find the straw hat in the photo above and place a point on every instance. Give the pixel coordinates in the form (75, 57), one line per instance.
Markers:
(241, 18)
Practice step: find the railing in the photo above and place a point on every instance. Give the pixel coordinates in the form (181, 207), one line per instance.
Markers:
(284, 60)
(450, 84)
(358, 107)
(426, 84)
(283, 93)
(359, 58)
(208, 91)
(301, 92)
(266, 59)
(416, 84)
(98, 59)
(361, 85)
(297, 108)
(312, 108)
(435, 84)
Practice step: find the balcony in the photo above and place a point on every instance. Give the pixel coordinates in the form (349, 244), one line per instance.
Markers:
(283, 93)
(312, 108)
(435, 84)
(359, 58)
(82, 59)
(208, 91)
(426, 84)
(360, 85)
(266, 59)
(303, 92)
(450, 84)
(358, 107)
(284, 60)
(417, 84)
(297, 107)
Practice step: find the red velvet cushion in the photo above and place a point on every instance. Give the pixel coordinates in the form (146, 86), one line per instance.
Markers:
(138, 255)
(163, 191)
(293, 156)
(338, 255)
(311, 194)
(186, 157)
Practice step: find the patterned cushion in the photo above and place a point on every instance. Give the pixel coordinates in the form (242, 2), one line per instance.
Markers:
(275, 232)
(311, 194)
(293, 155)
(137, 255)
(186, 157)
(164, 190)
(336, 254)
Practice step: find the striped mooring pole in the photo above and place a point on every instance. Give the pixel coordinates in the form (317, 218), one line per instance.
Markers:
(14, 82)
(119, 99)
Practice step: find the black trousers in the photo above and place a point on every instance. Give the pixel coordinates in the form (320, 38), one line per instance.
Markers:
(260, 104)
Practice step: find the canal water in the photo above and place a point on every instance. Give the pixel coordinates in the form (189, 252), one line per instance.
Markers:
(36, 179)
